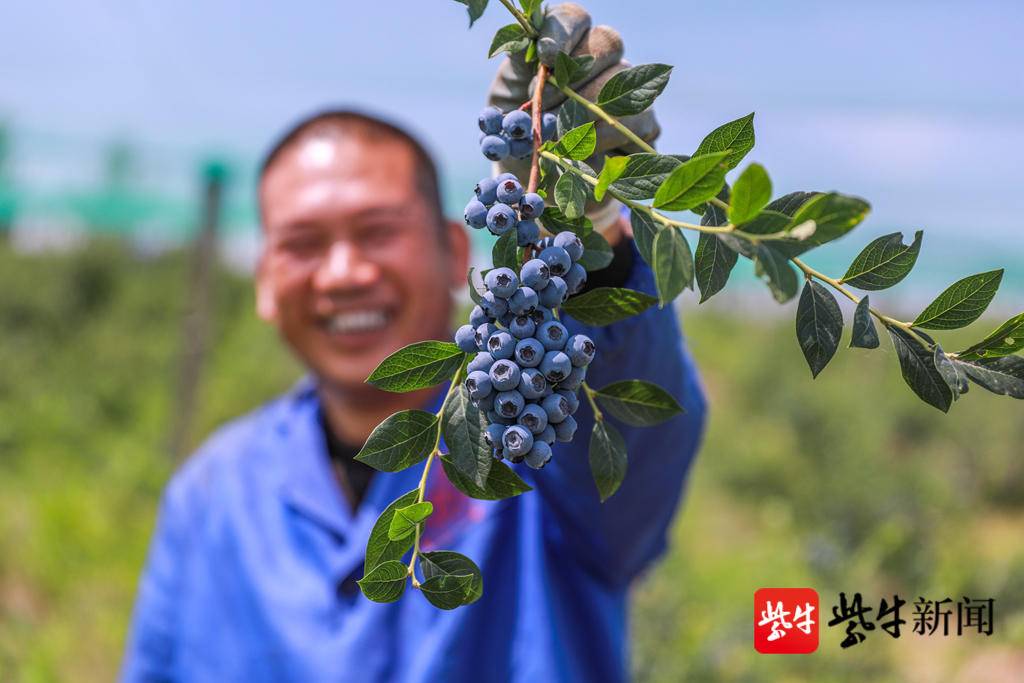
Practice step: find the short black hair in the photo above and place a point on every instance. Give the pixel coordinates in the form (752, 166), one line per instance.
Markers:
(369, 128)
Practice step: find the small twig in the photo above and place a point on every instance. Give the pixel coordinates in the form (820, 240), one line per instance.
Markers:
(598, 415)
(521, 18)
(607, 118)
(537, 104)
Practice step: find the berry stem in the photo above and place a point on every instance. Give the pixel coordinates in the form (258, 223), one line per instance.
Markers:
(436, 450)
(537, 108)
(521, 18)
(607, 118)
(590, 393)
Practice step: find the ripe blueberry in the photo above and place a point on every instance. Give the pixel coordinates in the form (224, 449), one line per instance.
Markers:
(475, 214)
(541, 314)
(492, 416)
(509, 404)
(552, 335)
(502, 281)
(548, 436)
(478, 384)
(501, 218)
(581, 349)
(477, 317)
(565, 429)
(535, 274)
(494, 306)
(548, 126)
(554, 294)
(494, 148)
(527, 233)
(531, 206)
(486, 191)
(520, 149)
(492, 437)
(505, 176)
(465, 338)
(516, 124)
(522, 301)
(501, 345)
(517, 440)
(575, 378)
(504, 376)
(557, 258)
(571, 398)
(575, 279)
(556, 407)
(486, 403)
(510, 191)
(481, 361)
(571, 243)
(539, 455)
(490, 120)
(529, 353)
(556, 366)
(483, 333)
(532, 384)
(522, 327)
(533, 418)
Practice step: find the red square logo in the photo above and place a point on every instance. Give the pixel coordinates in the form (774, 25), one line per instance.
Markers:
(786, 621)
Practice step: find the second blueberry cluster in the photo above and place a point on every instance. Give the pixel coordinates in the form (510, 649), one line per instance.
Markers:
(528, 369)
(501, 205)
(509, 135)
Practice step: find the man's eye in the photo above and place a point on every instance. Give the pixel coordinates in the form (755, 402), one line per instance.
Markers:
(303, 244)
(382, 234)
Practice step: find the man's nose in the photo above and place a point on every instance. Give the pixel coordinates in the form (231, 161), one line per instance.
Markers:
(345, 268)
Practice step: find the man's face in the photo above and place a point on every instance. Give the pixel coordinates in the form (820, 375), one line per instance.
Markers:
(354, 265)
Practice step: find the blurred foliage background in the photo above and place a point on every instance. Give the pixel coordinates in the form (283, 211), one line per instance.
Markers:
(845, 483)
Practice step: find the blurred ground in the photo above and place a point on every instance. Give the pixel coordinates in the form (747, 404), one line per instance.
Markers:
(844, 483)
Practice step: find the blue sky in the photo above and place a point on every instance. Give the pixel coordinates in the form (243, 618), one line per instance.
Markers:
(914, 105)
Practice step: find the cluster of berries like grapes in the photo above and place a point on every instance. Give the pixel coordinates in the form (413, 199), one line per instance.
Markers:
(527, 368)
(509, 135)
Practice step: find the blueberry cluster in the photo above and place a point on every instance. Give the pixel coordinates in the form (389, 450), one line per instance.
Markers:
(527, 368)
(509, 135)
(501, 205)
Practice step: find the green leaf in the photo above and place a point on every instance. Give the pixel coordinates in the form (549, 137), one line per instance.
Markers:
(673, 265)
(884, 262)
(510, 38)
(774, 269)
(571, 195)
(505, 252)
(865, 336)
(834, 215)
(606, 305)
(714, 263)
(638, 403)
(568, 69)
(379, 547)
(790, 203)
(607, 458)
(463, 430)
(450, 579)
(715, 215)
(385, 582)
(400, 441)
(597, 253)
(950, 372)
(692, 182)
(765, 223)
(502, 481)
(633, 90)
(644, 173)
(612, 169)
(554, 221)
(917, 365)
(571, 115)
(819, 325)
(1006, 339)
(645, 229)
(750, 194)
(475, 9)
(405, 519)
(1003, 376)
(474, 293)
(578, 143)
(529, 6)
(417, 366)
(736, 136)
(962, 303)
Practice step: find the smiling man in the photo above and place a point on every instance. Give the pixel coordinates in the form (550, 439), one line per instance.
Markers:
(260, 538)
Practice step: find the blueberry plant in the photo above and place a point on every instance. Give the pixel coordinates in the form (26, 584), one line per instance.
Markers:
(515, 371)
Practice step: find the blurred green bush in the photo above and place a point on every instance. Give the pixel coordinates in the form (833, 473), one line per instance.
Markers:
(844, 483)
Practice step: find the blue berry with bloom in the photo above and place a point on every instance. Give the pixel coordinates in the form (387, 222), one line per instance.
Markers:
(571, 243)
(490, 120)
(501, 345)
(502, 281)
(510, 191)
(501, 218)
(539, 455)
(533, 418)
(517, 440)
(535, 274)
(494, 148)
(522, 301)
(478, 384)
(481, 361)
(581, 350)
(527, 233)
(509, 404)
(529, 353)
(504, 375)
(531, 205)
(548, 126)
(575, 279)
(532, 384)
(475, 214)
(465, 338)
(552, 335)
(487, 191)
(557, 258)
(555, 367)
(554, 294)
(516, 124)
(566, 429)
(557, 409)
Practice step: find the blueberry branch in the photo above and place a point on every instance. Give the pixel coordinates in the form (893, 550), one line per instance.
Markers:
(436, 450)
(537, 108)
(590, 393)
(521, 18)
(607, 118)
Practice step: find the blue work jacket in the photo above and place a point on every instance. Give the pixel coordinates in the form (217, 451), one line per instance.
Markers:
(252, 571)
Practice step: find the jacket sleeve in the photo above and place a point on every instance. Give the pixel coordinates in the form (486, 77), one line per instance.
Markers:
(617, 539)
(152, 638)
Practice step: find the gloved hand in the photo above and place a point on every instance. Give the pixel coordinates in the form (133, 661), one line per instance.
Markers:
(567, 28)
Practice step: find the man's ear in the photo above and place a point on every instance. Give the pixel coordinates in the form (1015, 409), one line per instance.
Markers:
(266, 306)
(458, 245)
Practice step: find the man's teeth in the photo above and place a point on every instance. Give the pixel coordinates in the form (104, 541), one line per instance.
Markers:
(357, 321)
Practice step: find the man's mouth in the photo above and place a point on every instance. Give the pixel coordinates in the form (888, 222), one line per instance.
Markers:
(359, 322)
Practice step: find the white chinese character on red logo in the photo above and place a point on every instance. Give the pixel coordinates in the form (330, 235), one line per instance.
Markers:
(777, 618)
(804, 612)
